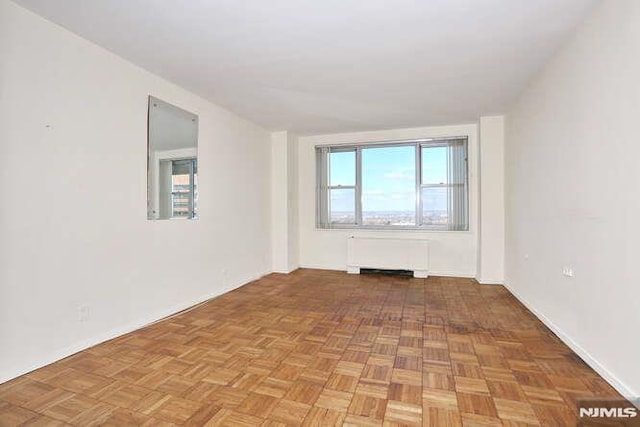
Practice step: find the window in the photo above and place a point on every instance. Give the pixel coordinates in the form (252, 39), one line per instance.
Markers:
(183, 186)
(410, 184)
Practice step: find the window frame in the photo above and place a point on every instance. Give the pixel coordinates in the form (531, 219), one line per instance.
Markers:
(323, 187)
(356, 187)
(192, 162)
(192, 207)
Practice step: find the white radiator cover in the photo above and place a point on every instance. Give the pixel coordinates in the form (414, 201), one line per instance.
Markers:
(388, 253)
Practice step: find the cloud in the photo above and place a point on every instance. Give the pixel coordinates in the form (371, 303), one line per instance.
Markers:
(400, 174)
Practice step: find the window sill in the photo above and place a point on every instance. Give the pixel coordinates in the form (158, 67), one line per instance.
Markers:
(394, 230)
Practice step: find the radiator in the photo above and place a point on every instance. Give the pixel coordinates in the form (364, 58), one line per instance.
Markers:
(388, 254)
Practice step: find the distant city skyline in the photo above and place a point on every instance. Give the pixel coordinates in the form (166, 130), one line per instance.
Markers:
(406, 217)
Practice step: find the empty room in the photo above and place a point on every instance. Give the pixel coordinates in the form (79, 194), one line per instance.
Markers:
(319, 213)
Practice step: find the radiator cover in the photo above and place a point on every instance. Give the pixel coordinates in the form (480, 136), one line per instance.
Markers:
(388, 253)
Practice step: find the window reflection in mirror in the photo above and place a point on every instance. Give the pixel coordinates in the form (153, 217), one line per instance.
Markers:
(172, 162)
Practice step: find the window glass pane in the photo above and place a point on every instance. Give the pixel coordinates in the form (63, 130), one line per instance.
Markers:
(181, 187)
(434, 165)
(434, 206)
(343, 206)
(180, 191)
(342, 166)
(388, 185)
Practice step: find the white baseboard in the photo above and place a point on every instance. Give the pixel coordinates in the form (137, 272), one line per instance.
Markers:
(12, 372)
(616, 383)
(485, 281)
(284, 271)
(323, 267)
(451, 274)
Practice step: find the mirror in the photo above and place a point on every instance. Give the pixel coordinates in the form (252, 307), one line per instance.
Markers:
(172, 162)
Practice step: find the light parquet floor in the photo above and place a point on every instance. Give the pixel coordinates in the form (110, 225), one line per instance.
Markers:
(321, 348)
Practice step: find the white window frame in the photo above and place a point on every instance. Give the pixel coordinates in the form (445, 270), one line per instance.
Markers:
(323, 187)
(191, 213)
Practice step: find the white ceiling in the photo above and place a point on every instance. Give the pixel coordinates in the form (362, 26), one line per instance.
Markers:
(321, 66)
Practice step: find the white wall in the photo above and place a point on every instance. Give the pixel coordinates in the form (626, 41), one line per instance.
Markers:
(450, 253)
(284, 202)
(293, 216)
(572, 193)
(73, 227)
(279, 203)
(491, 238)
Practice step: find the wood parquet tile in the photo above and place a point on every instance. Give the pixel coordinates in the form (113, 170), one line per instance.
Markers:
(321, 348)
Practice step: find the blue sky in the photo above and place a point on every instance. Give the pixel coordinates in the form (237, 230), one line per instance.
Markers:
(388, 178)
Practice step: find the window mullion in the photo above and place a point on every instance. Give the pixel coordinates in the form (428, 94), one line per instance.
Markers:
(191, 191)
(328, 183)
(358, 192)
(418, 185)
